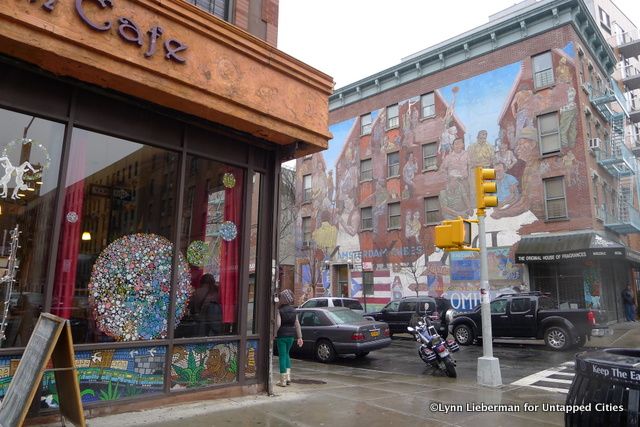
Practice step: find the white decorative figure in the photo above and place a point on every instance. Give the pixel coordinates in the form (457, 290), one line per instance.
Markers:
(20, 170)
(8, 172)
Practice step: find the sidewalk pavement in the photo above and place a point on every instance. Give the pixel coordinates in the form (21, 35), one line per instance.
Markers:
(333, 395)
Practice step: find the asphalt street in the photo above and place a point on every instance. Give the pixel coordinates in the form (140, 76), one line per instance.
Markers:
(516, 360)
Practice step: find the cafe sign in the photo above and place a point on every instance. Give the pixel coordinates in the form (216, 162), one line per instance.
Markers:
(89, 12)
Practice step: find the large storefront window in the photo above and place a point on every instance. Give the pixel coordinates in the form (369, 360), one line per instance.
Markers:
(253, 249)
(115, 254)
(210, 237)
(30, 151)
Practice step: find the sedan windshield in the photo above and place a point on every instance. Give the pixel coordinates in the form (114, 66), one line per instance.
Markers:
(340, 317)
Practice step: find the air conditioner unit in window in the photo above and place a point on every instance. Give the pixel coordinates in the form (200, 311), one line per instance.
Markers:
(594, 144)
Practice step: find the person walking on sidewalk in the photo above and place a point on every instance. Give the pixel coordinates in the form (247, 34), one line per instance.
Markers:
(629, 304)
(288, 328)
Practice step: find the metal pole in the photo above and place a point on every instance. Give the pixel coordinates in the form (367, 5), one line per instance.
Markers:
(488, 366)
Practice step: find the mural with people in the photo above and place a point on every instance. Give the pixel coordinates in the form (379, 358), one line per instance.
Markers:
(390, 175)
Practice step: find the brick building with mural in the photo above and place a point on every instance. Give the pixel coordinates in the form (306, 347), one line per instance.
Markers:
(537, 94)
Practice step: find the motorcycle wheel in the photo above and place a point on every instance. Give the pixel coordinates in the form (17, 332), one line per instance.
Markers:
(422, 356)
(450, 368)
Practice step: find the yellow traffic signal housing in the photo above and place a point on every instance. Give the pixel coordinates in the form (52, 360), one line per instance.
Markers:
(454, 233)
(484, 198)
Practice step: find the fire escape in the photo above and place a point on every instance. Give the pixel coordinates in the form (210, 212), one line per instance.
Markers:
(617, 154)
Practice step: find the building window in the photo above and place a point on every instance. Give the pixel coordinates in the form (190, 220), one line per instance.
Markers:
(429, 156)
(428, 105)
(549, 131)
(306, 231)
(605, 21)
(367, 282)
(366, 170)
(392, 117)
(554, 198)
(432, 210)
(393, 164)
(219, 8)
(306, 182)
(365, 124)
(542, 70)
(366, 218)
(394, 215)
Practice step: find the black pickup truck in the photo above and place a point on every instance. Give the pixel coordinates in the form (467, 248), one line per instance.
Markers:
(532, 315)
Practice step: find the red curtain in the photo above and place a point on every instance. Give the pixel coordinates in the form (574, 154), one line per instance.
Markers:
(230, 251)
(69, 247)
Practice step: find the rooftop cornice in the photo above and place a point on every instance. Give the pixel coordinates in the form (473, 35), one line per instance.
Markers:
(531, 20)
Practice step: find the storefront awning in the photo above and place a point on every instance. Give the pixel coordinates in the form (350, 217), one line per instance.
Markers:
(567, 247)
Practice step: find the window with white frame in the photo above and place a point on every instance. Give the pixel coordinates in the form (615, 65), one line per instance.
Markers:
(549, 133)
(306, 231)
(306, 184)
(429, 156)
(365, 124)
(428, 103)
(394, 215)
(366, 218)
(542, 70)
(392, 116)
(605, 20)
(432, 210)
(393, 164)
(554, 198)
(366, 170)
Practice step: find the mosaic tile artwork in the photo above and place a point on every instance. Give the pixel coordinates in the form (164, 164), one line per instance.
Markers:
(202, 365)
(251, 359)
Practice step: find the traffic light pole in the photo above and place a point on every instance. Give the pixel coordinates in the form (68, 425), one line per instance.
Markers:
(488, 366)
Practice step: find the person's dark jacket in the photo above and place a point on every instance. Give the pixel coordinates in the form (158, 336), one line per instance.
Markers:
(287, 321)
(627, 297)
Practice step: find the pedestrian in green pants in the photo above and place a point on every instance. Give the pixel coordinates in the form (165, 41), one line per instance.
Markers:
(288, 328)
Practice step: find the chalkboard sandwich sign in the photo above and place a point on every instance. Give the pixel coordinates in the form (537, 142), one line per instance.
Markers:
(51, 338)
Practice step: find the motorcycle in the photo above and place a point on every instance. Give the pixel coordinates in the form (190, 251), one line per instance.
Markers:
(434, 350)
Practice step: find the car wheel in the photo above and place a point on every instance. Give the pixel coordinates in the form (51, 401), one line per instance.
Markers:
(361, 354)
(325, 352)
(556, 338)
(580, 341)
(463, 334)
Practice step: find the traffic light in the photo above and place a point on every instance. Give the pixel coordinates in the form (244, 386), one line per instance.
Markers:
(484, 198)
(454, 233)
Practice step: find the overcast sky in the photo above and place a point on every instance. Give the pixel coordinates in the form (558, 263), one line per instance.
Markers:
(353, 39)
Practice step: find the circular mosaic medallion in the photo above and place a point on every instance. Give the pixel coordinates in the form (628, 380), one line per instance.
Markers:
(228, 231)
(198, 253)
(229, 180)
(129, 289)
(72, 217)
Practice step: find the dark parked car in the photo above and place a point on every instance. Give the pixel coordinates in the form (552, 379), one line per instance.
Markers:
(398, 314)
(532, 315)
(331, 331)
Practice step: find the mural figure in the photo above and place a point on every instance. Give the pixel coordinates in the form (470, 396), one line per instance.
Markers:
(412, 226)
(454, 198)
(396, 288)
(507, 186)
(409, 172)
(568, 115)
(563, 72)
(381, 198)
(504, 155)
(532, 194)
(446, 139)
(522, 108)
(481, 153)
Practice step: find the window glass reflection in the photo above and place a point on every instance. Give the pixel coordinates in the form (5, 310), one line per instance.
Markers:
(210, 237)
(30, 152)
(113, 271)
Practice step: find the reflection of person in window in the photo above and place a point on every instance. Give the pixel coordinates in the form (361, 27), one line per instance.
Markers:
(206, 307)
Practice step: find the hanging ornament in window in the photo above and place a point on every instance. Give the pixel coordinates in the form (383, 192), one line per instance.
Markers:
(72, 217)
(228, 231)
(229, 180)
(198, 253)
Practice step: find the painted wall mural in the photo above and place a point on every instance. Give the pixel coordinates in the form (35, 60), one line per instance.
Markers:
(201, 365)
(251, 359)
(488, 120)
